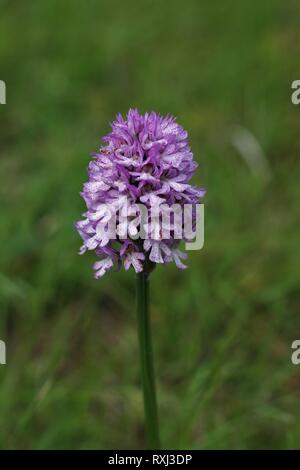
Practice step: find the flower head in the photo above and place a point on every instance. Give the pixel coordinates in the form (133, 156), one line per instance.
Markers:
(145, 165)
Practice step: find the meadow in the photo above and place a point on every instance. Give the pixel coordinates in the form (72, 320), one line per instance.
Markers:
(223, 328)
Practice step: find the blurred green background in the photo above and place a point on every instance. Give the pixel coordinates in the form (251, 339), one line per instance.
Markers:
(223, 328)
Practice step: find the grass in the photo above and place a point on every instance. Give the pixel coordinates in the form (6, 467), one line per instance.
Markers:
(223, 328)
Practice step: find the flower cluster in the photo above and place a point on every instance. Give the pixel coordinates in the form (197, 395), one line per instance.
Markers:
(146, 160)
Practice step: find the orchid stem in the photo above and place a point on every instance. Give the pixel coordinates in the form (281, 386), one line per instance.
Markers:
(146, 360)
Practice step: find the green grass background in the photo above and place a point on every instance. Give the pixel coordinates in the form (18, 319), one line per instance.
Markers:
(223, 328)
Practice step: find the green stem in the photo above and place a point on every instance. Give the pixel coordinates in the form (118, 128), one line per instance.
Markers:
(146, 358)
